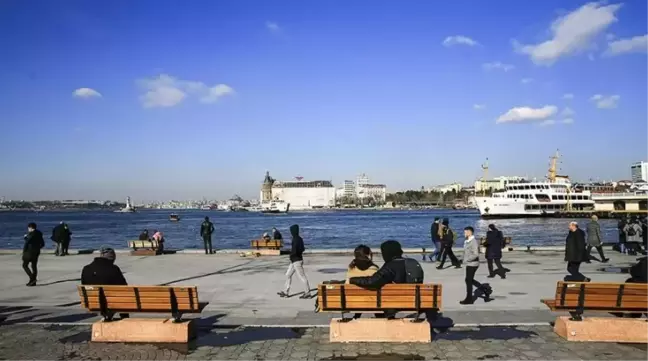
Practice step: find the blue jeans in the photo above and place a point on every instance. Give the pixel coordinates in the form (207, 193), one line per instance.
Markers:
(435, 255)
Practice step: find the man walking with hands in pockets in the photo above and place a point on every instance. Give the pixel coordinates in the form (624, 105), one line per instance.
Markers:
(296, 264)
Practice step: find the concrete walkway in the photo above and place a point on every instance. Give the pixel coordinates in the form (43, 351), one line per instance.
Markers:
(242, 291)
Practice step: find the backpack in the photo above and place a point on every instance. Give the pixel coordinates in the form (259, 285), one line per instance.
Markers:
(631, 231)
(413, 271)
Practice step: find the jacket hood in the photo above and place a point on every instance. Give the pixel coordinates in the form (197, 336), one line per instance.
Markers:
(294, 230)
(445, 222)
(391, 250)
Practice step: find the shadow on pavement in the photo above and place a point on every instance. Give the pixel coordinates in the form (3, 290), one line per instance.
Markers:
(485, 333)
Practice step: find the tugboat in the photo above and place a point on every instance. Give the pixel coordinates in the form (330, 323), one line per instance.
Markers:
(174, 217)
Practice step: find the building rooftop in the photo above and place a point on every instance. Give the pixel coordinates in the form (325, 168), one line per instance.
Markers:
(304, 184)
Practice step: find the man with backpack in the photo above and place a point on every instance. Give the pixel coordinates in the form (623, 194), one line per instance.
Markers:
(448, 237)
(633, 237)
(206, 230)
(395, 270)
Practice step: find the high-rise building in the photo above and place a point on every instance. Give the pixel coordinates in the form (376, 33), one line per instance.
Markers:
(639, 172)
(362, 180)
(349, 188)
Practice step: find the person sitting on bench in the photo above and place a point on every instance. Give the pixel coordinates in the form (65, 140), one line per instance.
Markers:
(144, 236)
(361, 266)
(395, 270)
(103, 271)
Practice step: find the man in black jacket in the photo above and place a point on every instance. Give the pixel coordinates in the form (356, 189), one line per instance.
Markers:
(494, 244)
(61, 235)
(206, 231)
(393, 271)
(103, 271)
(575, 253)
(434, 235)
(31, 251)
(296, 264)
(447, 241)
(276, 235)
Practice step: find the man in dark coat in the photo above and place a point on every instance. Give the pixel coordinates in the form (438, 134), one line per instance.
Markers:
(296, 264)
(276, 234)
(447, 240)
(594, 239)
(31, 251)
(575, 253)
(393, 271)
(494, 244)
(434, 235)
(206, 231)
(104, 271)
(61, 235)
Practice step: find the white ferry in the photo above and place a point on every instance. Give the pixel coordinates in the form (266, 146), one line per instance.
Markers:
(276, 206)
(535, 199)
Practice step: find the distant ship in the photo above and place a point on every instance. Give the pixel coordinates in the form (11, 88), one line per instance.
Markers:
(276, 206)
(128, 209)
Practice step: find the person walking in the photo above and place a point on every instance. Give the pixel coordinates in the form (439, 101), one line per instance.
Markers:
(31, 251)
(494, 244)
(633, 233)
(447, 240)
(296, 264)
(434, 235)
(471, 261)
(206, 231)
(594, 238)
(575, 253)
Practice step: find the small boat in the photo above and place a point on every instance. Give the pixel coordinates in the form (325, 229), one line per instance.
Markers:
(174, 217)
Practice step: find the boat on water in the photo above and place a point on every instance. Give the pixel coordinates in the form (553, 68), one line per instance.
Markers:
(129, 207)
(535, 199)
(276, 206)
(174, 217)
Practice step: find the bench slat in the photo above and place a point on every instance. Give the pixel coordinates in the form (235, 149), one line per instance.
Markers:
(147, 299)
(610, 297)
(393, 296)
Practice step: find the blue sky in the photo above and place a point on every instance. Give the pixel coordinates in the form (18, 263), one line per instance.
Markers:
(177, 99)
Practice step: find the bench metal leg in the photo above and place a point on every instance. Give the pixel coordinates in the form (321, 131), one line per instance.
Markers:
(343, 319)
(576, 315)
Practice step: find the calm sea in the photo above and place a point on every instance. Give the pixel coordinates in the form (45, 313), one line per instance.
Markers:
(325, 229)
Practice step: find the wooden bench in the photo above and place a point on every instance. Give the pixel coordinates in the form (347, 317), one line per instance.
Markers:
(344, 298)
(622, 298)
(144, 248)
(270, 247)
(109, 300)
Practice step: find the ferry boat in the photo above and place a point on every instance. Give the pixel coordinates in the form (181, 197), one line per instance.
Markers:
(536, 199)
(276, 206)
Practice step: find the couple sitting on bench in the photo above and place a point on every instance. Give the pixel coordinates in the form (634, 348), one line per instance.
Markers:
(364, 273)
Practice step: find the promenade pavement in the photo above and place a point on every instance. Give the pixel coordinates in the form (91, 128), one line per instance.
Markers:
(242, 291)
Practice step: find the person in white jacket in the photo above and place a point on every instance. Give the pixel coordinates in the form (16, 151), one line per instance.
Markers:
(471, 261)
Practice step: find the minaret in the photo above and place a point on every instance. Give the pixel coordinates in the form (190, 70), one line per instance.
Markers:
(266, 188)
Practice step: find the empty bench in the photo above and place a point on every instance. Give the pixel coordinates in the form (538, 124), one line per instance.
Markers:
(344, 298)
(144, 248)
(620, 298)
(111, 300)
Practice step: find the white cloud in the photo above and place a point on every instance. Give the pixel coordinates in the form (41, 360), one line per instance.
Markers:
(479, 106)
(610, 36)
(498, 66)
(167, 91)
(547, 122)
(567, 112)
(272, 26)
(572, 33)
(568, 121)
(606, 101)
(526, 80)
(216, 92)
(86, 93)
(459, 40)
(637, 44)
(568, 96)
(527, 114)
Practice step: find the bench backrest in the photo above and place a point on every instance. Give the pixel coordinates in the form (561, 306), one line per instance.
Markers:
(261, 243)
(404, 297)
(143, 244)
(146, 299)
(602, 296)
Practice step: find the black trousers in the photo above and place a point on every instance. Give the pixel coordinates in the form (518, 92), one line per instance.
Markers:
(33, 273)
(66, 245)
(447, 252)
(573, 268)
(208, 244)
(599, 249)
(470, 281)
(500, 269)
(161, 247)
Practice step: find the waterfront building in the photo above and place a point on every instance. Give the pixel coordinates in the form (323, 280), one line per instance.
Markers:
(362, 180)
(446, 188)
(266, 188)
(376, 191)
(304, 194)
(639, 172)
(495, 184)
(349, 188)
